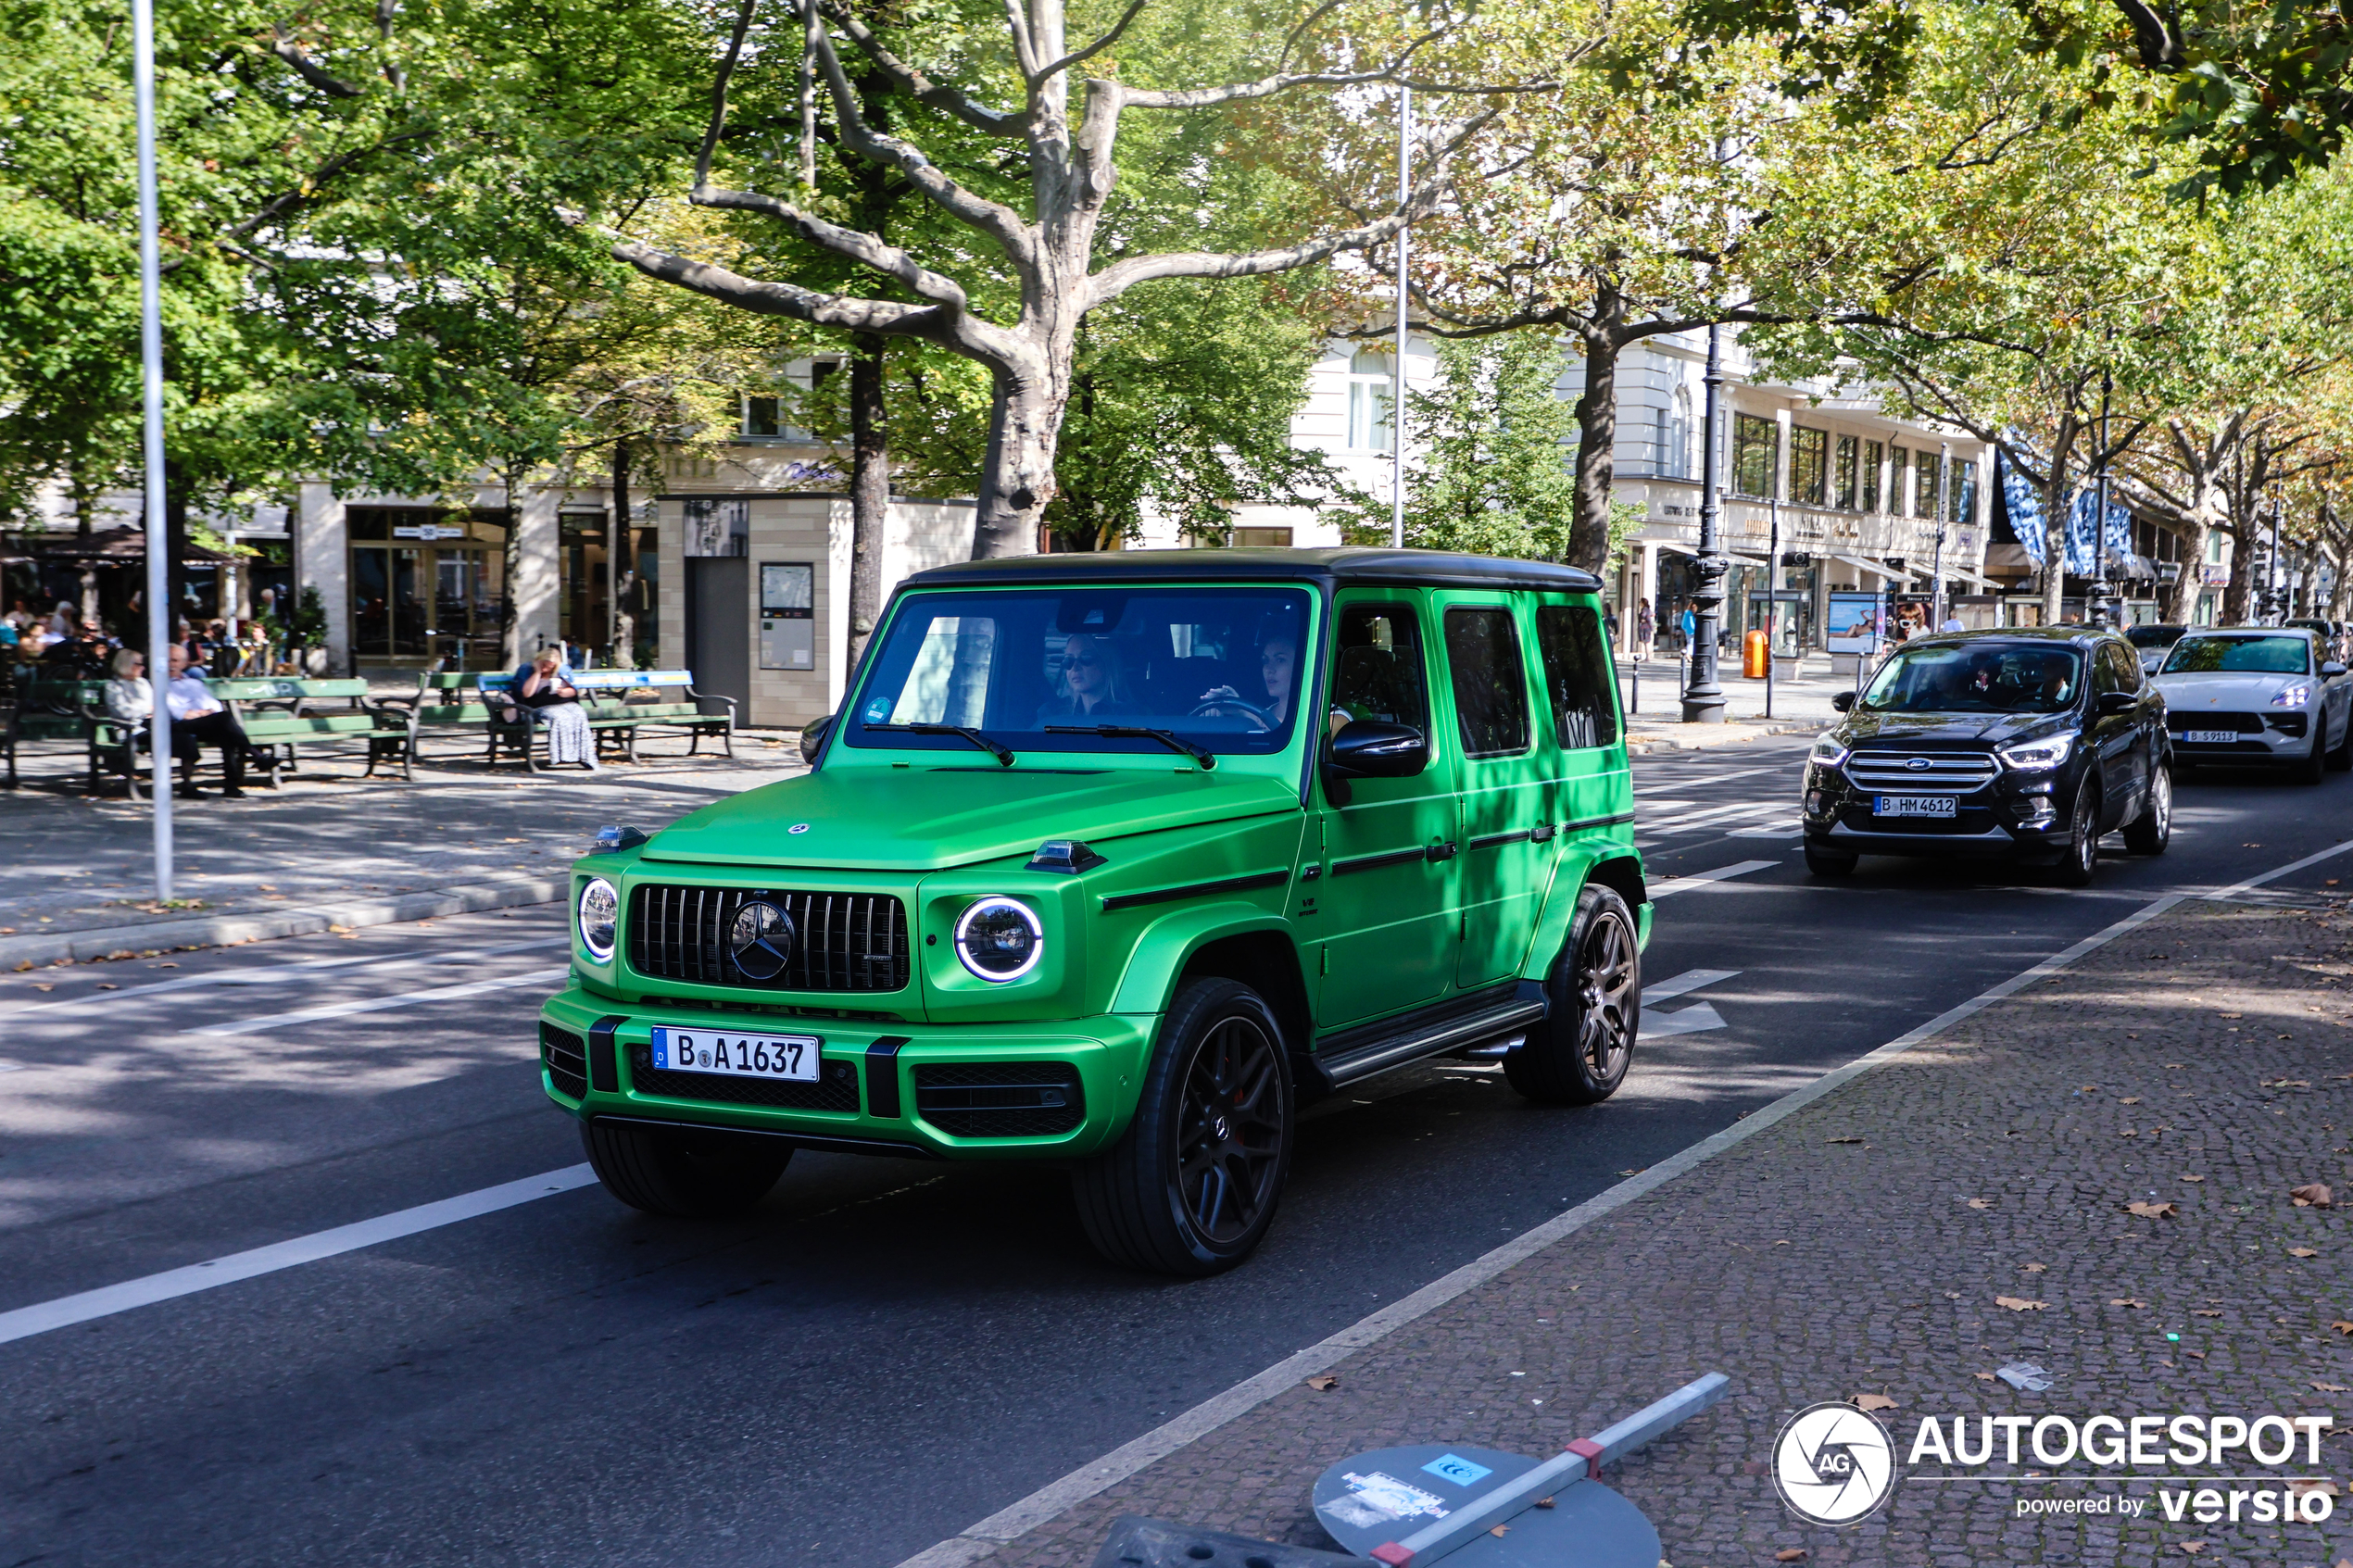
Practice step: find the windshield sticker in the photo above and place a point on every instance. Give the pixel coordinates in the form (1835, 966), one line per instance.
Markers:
(1393, 1498)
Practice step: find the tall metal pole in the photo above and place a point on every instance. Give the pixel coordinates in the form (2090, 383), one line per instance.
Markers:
(1772, 595)
(1944, 509)
(1397, 398)
(2271, 615)
(2098, 616)
(1703, 699)
(142, 77)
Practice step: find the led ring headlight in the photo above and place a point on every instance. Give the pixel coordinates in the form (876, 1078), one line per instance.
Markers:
(599, 909)
(998, 939)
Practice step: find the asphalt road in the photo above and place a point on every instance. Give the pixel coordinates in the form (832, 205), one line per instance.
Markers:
(887, 1351)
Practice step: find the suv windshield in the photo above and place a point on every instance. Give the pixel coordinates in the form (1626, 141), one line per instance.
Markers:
(1997, 678)
(2153, 636)
(1215, 668)
(2238, 656)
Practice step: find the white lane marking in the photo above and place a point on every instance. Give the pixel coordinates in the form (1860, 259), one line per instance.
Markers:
(1690, 820)
(979, 1540)
(66, 1311)
(2254, 882)
(1791, 829)
(1701, 879)
(1690, 980)
(1682, 1021)
(378, 1004)
(280, 974)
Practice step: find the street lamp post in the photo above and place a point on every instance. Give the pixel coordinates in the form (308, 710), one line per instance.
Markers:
(1936, 568)
(159, 610)
(1703, 699)
(1397, 395)
(2272, 610)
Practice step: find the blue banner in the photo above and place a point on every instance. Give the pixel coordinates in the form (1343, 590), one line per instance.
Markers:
(2023, 498)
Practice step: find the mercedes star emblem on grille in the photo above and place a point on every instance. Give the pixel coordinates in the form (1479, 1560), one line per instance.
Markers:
(761, 940)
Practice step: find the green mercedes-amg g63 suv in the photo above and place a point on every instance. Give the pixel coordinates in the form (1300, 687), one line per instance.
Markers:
(1119, 860)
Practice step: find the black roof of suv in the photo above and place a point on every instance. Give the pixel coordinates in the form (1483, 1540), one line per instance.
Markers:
(1328, 567)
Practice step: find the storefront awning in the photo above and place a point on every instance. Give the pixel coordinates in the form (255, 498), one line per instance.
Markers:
(1892, 573)
(1693, 550)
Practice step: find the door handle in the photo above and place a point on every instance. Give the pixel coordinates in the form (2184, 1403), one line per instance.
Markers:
(1442, 851)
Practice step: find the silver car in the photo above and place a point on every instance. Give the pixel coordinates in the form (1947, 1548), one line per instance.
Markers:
(2260, 695)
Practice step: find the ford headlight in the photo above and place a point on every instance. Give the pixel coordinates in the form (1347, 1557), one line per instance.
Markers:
(2037, 753)
(1827, 753)
(2297, 695)
(599, 912)
(998, 939)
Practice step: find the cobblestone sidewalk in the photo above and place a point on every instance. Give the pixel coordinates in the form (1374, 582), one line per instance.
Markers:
(2202, 1061)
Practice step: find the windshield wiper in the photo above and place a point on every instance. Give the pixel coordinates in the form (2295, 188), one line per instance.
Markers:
(994, 748)
(1207, 758)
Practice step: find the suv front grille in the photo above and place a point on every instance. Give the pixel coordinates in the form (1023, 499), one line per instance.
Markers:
(836, 1088)
(842, 941)
(1955, 772)
(999, 1099)
(565, 1054)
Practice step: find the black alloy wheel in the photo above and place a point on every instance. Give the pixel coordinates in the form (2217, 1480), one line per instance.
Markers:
(2149, 833)
(2314, 765)
(2341, 755)
(1192, 1186)
(2082, 854)
(1579, 1055)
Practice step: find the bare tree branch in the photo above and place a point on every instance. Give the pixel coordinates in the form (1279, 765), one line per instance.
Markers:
(719, 94)
(855, 244)
(282, 44)
(1135, 9)
(889, 318)
(906, 79)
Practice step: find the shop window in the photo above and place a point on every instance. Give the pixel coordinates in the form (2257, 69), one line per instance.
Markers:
(1809, 453)
(1926, 471)
(1963, 505)
(1899, 463)
(1756, 455)
(1843, 499)
(1874, 455)
(718, 527)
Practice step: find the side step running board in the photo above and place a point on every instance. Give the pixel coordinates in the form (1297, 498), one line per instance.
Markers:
(1431, 1039)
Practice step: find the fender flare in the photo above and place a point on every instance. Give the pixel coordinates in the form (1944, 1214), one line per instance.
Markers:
(1164, 948)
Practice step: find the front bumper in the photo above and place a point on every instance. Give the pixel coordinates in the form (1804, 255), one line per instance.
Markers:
(2014, 817)
(872, 1094)
(2283, 738)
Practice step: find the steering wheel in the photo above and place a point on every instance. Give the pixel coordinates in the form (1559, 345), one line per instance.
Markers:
(1265, 716)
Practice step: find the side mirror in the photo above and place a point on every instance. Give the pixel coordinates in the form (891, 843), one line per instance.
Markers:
(2115, 702)
(1374, 749)
(812, 737)
(2331, 671)
(1842, 701)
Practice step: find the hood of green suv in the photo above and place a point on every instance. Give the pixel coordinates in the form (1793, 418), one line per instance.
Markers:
(926, 819)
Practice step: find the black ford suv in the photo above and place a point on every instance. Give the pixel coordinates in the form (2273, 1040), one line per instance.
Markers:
(2022, 744)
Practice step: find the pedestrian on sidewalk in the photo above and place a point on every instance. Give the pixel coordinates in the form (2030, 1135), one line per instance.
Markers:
(544, 686)
(198, 717)
(1645, 630)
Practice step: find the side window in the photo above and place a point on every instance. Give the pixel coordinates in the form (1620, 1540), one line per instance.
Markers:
(2103, 672)
(1491, 684)
(1376, 666)
(1577, 675)
(2128, 667)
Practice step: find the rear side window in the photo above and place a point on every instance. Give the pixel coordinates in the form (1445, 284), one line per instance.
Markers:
(1490, 685)
(2127, 668)
(1578, 676)
(1376, 666)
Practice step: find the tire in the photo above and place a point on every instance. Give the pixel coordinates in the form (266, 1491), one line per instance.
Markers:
(2081, 855)
(2313, 766)
(2149, 833)
(1581, 1052)
(1192, 1186)
(1829, 862)
(688, 1174)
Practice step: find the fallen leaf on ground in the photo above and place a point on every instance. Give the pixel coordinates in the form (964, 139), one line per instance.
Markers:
(1985, 1377)
(1789, 1554)
(2035, 1267)
(1324, 1383)
(1842, 1140)
(2331, 1388)
(1873, 1402)
(2152, 1211)
(2192, 1178)
(43, 986)
(2128, 1132)
(2019, 1304)
(1544, 1503)
(2342, 1326)
(2326, 1489)
(2312, 1195)
(2193, 1548)
(2130, 1100)
(2303, 1252)
(2206, 1312)
(1500, 1530)
(1981, 1203)
(2126, 1301)
(108, 985)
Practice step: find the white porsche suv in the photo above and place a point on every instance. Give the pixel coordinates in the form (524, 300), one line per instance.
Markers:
(2258, 695)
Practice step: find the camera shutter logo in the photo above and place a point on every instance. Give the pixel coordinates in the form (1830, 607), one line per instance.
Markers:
(761, 941)
(1834, 1465)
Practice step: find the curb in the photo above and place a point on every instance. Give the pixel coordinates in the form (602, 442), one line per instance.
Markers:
(216, 930)
(1733, 733)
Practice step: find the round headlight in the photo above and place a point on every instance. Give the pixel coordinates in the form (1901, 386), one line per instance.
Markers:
(999, 939)
(600, 910)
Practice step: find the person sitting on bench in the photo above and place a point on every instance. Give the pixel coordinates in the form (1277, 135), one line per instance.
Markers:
(197, 715)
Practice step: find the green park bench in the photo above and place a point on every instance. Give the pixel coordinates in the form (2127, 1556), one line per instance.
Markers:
(620, 704)
(53, 710)
(281, 716)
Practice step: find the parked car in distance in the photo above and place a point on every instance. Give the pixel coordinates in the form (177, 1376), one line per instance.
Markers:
(1115, 861)
(2261, 695)
(2150, 641)
(2026, 744)
(2332, 635)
